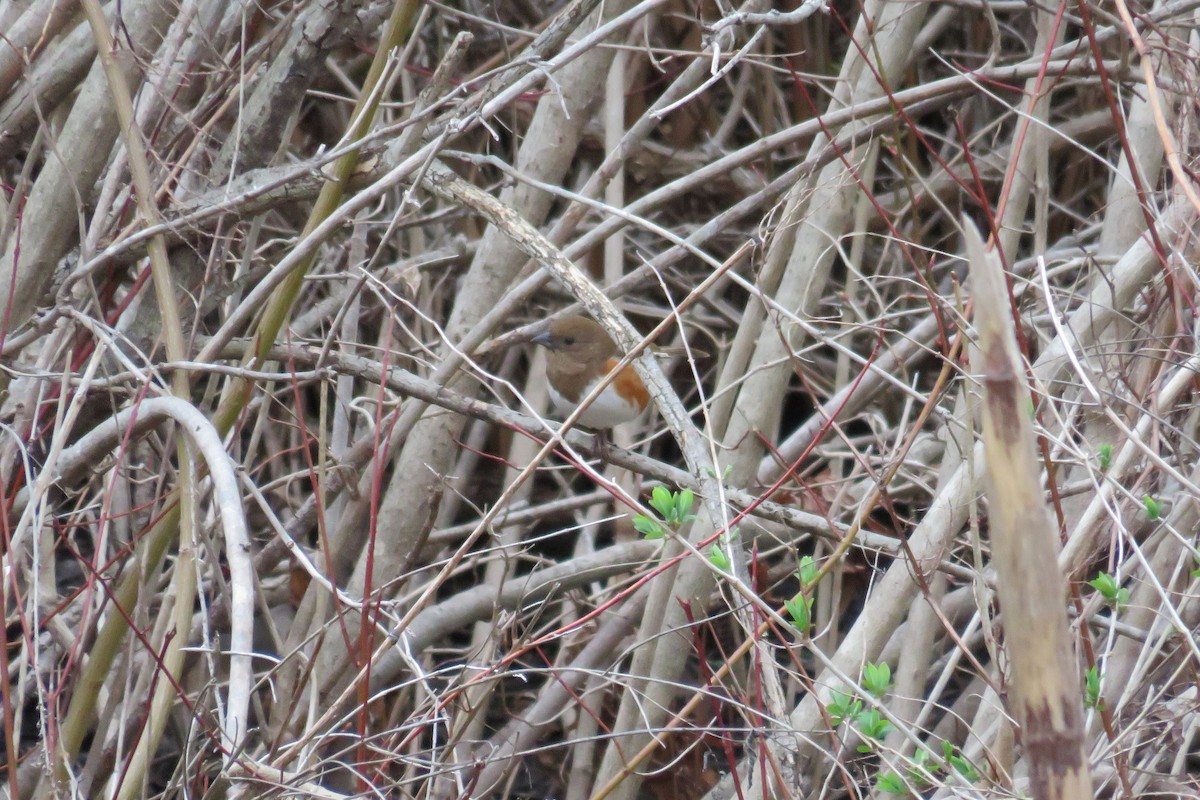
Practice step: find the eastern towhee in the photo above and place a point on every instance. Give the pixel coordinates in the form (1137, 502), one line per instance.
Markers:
(581, 355)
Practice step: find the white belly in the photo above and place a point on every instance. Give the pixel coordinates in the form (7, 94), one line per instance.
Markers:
(604, 412)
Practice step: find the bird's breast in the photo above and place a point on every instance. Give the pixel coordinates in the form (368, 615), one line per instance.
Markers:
(615, 405)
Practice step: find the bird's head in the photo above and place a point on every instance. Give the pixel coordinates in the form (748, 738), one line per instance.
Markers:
(577, 338)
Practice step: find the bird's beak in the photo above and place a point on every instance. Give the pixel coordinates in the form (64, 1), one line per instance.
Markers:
(542, 338)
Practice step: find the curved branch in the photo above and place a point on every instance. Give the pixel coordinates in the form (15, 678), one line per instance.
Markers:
(202, 439)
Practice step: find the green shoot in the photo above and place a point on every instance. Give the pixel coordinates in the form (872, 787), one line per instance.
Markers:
(843, 706)
(649, 527)
(673, 509)
(800, 610)
(960, 763)
(872, 727)
(1112, 592)
(673, 506)
(718, 559)
(877, 679)
(890, 783)
(1092, 697)
(1153, 507)
(807, 572)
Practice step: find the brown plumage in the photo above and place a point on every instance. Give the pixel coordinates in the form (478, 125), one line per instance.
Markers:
(581, 354)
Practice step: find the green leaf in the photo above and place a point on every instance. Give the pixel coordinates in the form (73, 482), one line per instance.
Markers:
(673, 507)
(800, 609)
(877, 678)
(650, 529)
(1106, 453)
(965, 768)
(1108, 588)
(1105, 585)
(807, 572)
(872, 724)
(1153, 507)
(961, 765)
(683, 503)
(1092, 688)
(921, 773)
(891, 783)
(718, 558)
(842, 706)
(873, 727)
(662, 501)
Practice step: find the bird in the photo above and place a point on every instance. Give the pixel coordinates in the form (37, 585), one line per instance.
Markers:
(581, 355)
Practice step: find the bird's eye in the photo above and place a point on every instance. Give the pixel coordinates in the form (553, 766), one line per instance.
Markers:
(569, 340)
